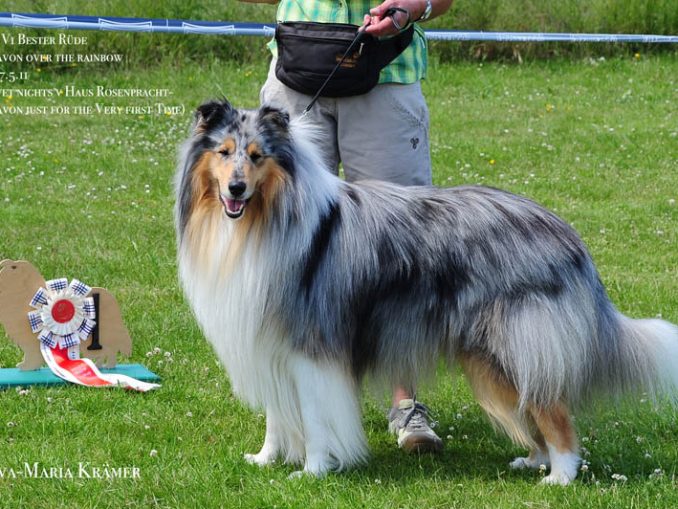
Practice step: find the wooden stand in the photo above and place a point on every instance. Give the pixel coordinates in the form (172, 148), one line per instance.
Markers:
(19, 280)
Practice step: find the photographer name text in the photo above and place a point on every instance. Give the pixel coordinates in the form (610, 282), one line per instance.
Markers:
(84, 470)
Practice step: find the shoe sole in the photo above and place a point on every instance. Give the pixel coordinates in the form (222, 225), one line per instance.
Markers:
(422, 446)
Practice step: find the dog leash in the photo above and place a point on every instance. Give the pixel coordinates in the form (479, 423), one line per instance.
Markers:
(359, 36)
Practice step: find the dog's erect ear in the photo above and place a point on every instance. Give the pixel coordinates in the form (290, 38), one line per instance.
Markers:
(211, 114)
(275, 116)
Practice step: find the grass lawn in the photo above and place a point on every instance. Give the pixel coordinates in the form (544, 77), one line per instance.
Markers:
(90, 196)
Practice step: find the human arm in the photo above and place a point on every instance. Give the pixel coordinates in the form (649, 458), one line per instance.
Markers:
(382, 26)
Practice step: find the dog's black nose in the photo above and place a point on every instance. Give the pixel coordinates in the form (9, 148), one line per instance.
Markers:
(237, 188)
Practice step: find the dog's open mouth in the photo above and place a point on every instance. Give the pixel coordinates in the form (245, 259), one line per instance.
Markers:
(233, 208)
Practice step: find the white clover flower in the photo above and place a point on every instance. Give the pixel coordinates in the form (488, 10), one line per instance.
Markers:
(658, 472)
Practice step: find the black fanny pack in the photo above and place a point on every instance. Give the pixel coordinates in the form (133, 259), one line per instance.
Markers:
(308, 52)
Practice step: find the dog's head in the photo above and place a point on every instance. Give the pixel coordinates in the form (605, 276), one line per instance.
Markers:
(236, 158)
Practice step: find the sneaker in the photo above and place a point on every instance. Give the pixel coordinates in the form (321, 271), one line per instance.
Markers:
(409, 422)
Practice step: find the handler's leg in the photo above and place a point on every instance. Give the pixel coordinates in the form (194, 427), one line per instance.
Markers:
(322, 115)
(408, 420)
(384, 135)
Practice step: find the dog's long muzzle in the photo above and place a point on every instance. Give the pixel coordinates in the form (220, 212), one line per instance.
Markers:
(234, 205)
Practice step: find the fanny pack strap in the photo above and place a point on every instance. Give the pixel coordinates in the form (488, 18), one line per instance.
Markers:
(389, 49)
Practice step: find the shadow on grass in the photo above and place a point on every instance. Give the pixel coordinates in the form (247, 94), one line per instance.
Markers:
(449, 465)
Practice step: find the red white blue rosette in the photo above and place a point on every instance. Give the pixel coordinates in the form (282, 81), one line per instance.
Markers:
(64, 316)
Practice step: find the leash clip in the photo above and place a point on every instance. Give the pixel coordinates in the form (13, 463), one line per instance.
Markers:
(390, 13)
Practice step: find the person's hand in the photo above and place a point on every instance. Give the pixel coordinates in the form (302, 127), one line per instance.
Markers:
(378, 25)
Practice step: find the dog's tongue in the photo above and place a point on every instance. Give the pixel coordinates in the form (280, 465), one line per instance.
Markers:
(234, 205)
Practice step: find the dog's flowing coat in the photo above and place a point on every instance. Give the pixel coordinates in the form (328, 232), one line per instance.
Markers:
(304, 283)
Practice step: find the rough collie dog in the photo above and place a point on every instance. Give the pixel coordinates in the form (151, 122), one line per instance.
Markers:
(304, 284)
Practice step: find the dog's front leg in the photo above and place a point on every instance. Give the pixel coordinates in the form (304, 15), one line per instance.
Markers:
(313, 396)
(272, 443)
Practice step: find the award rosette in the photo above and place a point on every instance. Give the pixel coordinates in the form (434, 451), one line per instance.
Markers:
(64, 316)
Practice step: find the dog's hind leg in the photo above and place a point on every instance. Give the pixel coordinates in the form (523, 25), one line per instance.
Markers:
(330, 412)
(499, 398)
(555, 425)
(538, 456)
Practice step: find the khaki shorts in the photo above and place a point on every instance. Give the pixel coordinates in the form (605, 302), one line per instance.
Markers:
(382, 134)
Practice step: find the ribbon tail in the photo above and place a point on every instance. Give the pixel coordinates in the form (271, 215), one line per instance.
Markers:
(127, 382)
(84, 371)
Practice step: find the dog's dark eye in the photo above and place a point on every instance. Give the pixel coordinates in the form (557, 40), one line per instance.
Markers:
(255, 157)
(226, 152)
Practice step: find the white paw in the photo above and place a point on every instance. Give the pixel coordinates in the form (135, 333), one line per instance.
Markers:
(520, 463)
(317, 471)
(298, 474)
(313, 470)
(262, 459)
(523, 463)
(557, 479)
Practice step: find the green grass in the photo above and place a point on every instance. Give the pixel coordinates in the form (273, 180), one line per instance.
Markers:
(90, 197)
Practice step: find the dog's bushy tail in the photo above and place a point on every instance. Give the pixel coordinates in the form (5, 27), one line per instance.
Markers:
(646, 358)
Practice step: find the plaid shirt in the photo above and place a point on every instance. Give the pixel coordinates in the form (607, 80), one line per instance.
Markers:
(408, 67)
